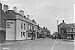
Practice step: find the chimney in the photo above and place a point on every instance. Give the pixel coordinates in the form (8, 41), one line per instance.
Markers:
(21, 12)
(63, 21)
(15, 9)
(28, 16)
(0, 6)
(5, 8)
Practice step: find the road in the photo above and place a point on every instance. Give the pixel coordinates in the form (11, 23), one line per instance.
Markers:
(40, 44)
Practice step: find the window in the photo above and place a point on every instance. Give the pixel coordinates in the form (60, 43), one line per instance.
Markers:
(68, 29)
(21, 34)
(24, 26)
(24, 34)
(30, 27)
(21, 25)
(29, 34)
(72, 29)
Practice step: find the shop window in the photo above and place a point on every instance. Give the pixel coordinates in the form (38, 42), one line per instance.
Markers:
(29, 34)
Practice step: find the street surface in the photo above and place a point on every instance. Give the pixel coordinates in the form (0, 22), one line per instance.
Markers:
(40, 44)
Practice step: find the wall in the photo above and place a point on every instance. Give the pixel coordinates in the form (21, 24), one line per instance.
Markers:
(19, 22)
(10, 30)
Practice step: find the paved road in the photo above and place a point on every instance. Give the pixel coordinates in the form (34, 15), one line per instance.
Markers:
(41, 44)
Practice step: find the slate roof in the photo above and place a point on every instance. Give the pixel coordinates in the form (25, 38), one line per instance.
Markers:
(61, 24)
(10, 14)
(69, 25)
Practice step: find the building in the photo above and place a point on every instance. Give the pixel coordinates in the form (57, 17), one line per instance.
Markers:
(36, 31)
(59, 29)
(13, 25)
(66, 30)
(39, 29)
(19, 28)
(2, 24)
(43, 32)
(69, 30)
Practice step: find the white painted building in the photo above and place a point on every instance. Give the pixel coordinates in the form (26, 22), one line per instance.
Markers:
(10, 30)
(17, 25)
(16, 28)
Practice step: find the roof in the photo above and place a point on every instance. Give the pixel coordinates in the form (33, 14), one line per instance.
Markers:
(11, 14)
(2, 19)
(62, 23)
(69, 25)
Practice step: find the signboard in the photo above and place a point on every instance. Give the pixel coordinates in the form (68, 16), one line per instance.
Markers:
(9, 24)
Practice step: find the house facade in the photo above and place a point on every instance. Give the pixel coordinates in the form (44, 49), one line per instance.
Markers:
(19, 28)
(69, 30)
(15, 25)
(66, 30)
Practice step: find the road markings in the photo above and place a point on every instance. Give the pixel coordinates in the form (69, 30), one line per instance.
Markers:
(53, 45)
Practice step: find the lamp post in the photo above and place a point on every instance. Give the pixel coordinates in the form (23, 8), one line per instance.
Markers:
(74, 12)
(57, 24)
(74, 22)
(57, 27)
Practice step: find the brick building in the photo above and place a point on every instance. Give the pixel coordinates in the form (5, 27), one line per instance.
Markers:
(2, 24)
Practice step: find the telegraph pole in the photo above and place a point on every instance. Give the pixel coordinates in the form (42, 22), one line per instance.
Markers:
(57, 26)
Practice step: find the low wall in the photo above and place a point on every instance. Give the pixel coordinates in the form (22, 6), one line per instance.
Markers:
(2, 36)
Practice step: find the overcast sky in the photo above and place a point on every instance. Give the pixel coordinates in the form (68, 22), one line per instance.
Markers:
(45, 12)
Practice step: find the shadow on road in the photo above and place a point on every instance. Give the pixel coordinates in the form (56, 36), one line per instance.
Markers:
(68, 40)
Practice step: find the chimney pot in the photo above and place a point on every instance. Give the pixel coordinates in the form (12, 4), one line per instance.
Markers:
(5, 8)
(28, 16)
(63, 21)
(15, 9)
(21, 12)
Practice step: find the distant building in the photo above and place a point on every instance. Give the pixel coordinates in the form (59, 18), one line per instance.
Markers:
(43, 32)
(60, 26)
(67, 30)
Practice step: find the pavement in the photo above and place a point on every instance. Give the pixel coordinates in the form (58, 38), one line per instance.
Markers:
(68, 40)
(10, 42)
(40, 44)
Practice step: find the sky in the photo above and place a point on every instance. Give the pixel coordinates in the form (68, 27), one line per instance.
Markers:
(45, 12)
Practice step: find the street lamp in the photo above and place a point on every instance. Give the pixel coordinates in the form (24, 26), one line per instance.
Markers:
(57, 28)
(74, 12)
(57, 24)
